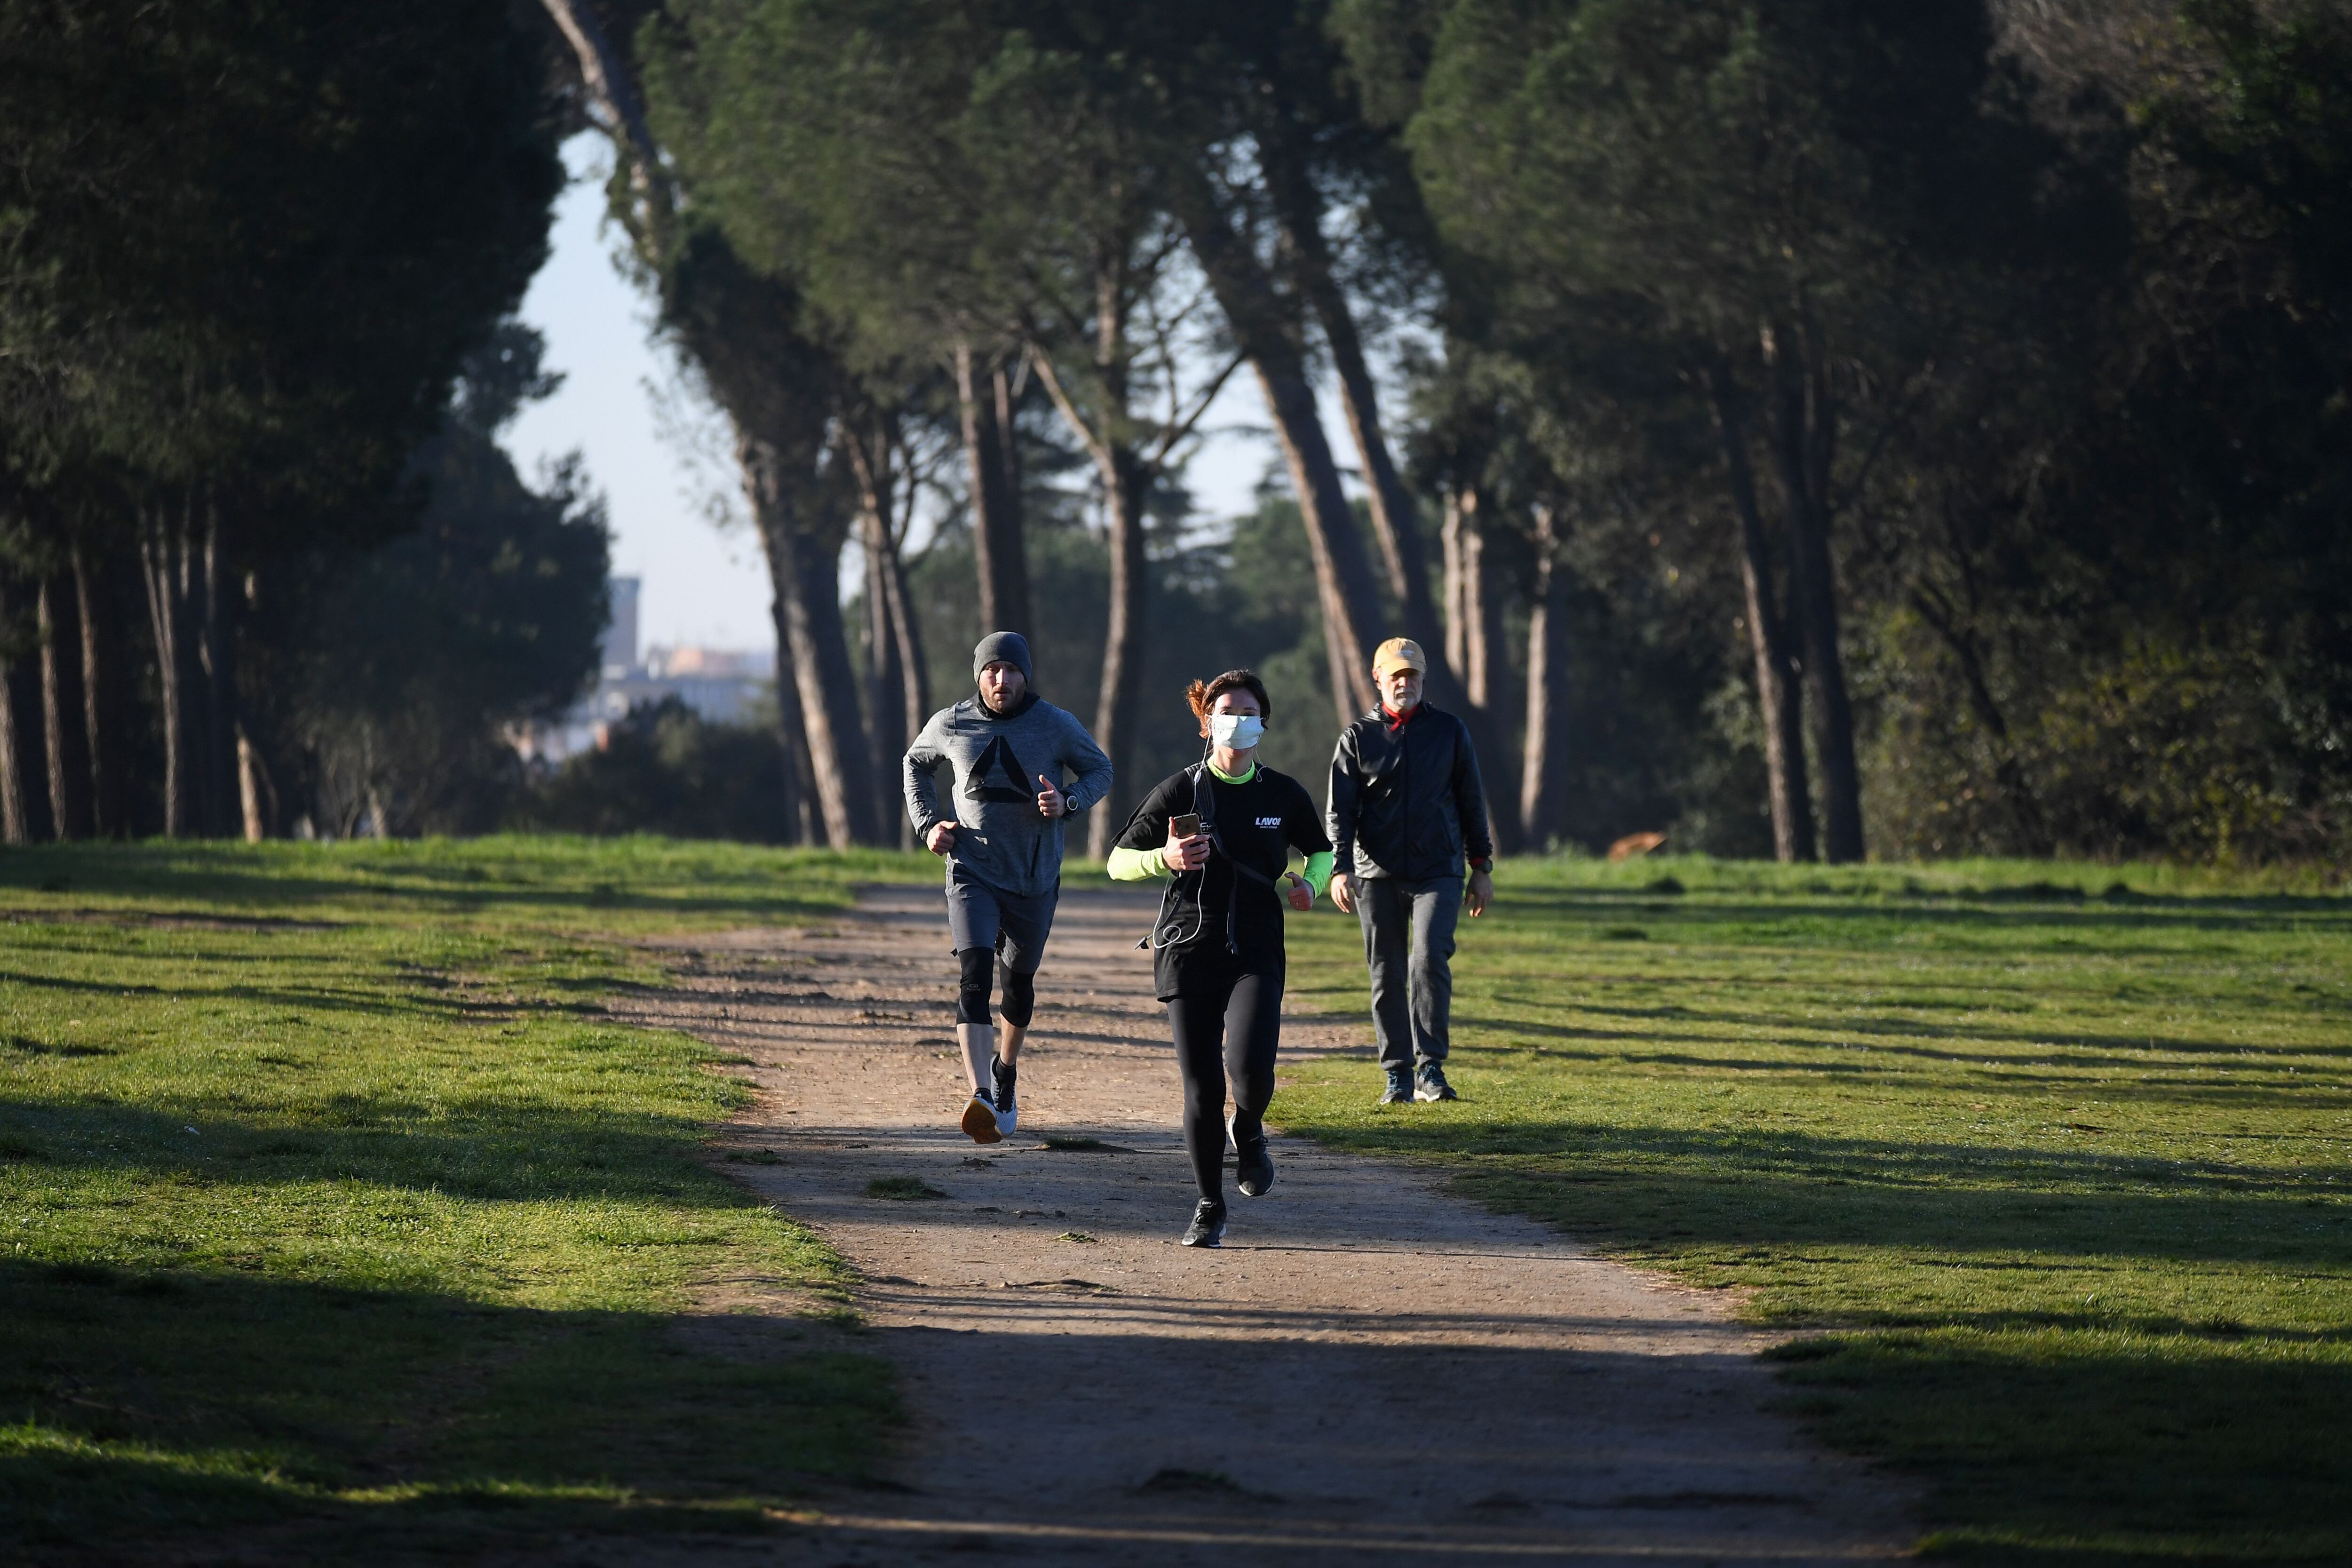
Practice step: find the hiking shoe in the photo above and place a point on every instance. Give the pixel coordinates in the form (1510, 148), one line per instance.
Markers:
(1253, 1171)
(1400, 1088)
(980, 1120)
(1208, 1226)
(1008, 1114)
(1429, 1084)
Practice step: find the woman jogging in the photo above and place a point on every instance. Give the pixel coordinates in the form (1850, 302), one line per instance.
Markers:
(1000, 836)
(1223, 831)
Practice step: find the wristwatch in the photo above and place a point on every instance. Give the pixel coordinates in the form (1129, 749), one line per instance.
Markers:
(1483, 863)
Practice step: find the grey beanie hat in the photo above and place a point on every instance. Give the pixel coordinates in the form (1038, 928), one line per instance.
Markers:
(1002, 647)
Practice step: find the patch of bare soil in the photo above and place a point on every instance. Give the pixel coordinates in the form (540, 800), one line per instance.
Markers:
(1370, 1371)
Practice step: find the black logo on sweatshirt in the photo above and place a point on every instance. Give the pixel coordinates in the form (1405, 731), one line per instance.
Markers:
(982, 783)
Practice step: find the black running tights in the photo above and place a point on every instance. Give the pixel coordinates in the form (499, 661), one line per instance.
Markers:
(971, 995)
(1223, 1034)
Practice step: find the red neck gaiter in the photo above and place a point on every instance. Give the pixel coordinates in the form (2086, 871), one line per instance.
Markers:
(1399, 721)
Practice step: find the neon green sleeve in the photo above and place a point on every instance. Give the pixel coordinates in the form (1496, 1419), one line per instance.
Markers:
(1135, 865)
(1319, 871)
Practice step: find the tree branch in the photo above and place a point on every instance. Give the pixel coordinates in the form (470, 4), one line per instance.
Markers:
(1183, 428)
(1046, 373)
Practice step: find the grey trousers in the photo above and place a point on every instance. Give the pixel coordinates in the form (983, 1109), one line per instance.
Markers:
(1408, 942)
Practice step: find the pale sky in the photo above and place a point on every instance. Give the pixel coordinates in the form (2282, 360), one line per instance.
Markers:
(661, 458)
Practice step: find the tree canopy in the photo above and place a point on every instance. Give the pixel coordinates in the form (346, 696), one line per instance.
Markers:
(1814, 427)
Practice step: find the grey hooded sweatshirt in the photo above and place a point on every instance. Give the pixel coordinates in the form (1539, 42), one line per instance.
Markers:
(1000, 838)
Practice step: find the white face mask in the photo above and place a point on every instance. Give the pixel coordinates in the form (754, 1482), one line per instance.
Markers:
(1235, 731)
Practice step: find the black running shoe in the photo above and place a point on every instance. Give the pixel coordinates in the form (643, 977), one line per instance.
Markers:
(1208, 1226)
(1400, 1088)
(1254, 1170)
(1429, 1086)
(1008, 1110)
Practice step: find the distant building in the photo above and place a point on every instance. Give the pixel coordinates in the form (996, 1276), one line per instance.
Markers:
(621, 634)
(723, 685)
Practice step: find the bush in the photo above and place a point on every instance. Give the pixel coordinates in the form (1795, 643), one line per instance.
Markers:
(665, 769)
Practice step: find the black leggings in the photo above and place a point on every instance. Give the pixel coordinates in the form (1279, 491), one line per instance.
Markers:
(972, 995)
(1226, 1032)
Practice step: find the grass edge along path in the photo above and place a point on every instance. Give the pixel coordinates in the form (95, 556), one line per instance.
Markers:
(2044, 1168)
(334, 1212)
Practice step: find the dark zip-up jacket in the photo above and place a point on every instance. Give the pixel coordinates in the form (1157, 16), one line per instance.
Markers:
(1406, 803)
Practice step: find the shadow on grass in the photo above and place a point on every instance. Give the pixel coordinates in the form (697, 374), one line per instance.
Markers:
(1783, 1189)
(2095, 1049)
(2262, 1076)
(138, 1404)
(411, 997)
(511, 877)
(2013, 908)
(2073, 1449)
(514, 1151)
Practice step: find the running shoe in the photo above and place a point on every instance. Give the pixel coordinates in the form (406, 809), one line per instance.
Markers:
(1400, 1088)
(1208, 1226)
(980, 1120)
(1253, 1171)
(1429, 1086)
(1008, 1114)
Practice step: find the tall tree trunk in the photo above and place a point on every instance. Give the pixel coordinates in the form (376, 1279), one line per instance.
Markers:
(194, 678)
(256, 796)
(996, 533)
(1008, 456)
(914, 675)
(69, 771)
(1543, 778)
(253, 791)
(1486, 662)
(157, 572)
(1395, 518)
(829, 694)
(1486, 688)
(1266, 328)
(1778, 700)
(900, 697)
(804, 574)
(16, 826)
(1343, 581)
(1457, 614)
(886, 681)
(798, 782)
(215, 661)
(96, 611)
(1125, 480)
(1806, 437)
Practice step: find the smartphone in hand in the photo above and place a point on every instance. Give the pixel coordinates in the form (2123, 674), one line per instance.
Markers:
(1185, 827)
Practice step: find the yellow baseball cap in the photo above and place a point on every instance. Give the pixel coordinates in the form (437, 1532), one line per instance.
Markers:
(1399, 653)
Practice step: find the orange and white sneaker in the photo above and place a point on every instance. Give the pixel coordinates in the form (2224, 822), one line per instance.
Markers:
(980, 1120)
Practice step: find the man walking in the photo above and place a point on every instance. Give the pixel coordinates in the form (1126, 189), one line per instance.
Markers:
(1407, 816)
(1001, 840)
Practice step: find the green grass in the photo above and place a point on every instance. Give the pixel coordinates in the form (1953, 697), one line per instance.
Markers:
(2045, 1168)
(334, 1209)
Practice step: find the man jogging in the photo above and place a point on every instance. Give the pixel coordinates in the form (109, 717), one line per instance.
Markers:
(1003, 843)
(1407, 816)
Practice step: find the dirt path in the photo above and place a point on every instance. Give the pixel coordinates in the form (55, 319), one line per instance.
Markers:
(1370, 1371)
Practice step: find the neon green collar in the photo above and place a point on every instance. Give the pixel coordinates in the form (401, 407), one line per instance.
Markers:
(1229, 778)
